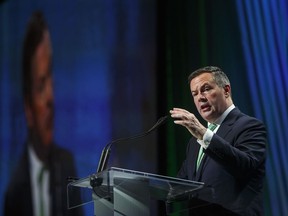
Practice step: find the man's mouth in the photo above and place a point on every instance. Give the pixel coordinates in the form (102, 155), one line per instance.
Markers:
(205, 107)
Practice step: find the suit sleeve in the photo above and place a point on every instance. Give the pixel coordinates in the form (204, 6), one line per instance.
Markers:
(183, 172)
(244, 151)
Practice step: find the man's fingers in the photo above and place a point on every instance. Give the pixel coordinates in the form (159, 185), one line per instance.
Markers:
(179, 110)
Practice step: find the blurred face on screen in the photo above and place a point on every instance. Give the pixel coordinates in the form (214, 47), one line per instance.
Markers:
(40, 110)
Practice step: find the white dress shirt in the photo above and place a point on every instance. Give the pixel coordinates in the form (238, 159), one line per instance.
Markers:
(209, 134)
(35, 168)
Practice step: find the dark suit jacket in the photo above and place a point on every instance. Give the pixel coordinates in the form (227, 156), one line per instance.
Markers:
(233, 165)
(18, 198)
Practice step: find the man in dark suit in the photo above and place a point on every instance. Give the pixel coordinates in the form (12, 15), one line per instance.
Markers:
(39, 184)
(229, 155)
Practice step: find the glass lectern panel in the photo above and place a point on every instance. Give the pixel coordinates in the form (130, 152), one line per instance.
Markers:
(103, 185)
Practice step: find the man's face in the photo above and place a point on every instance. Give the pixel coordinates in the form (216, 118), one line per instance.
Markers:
(210, 100)
(40, 111)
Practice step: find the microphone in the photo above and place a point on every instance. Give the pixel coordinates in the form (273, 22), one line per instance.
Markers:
(107, 149)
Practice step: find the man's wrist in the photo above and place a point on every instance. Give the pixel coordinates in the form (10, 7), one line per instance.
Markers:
(207, 137)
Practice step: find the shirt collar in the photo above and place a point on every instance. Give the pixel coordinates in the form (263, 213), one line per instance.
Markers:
(35, 162)
(224, 115)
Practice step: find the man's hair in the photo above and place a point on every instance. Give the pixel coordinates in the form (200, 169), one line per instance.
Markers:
(33, 36)
(219, 76)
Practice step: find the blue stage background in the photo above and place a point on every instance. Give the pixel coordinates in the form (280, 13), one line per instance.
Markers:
(106, 64)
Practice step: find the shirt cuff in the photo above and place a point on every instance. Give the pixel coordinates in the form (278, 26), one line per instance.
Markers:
(206, 139)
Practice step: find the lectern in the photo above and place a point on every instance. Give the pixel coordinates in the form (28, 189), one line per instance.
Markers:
(117, 191)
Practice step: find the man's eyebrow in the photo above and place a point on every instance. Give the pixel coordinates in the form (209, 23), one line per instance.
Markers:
(204, 84)
(201, 87)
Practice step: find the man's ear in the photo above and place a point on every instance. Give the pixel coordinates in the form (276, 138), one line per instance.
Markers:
(227, 90)
(28, 113)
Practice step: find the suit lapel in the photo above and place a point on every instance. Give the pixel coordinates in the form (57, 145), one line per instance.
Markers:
(195, 152)
(24, 187)
(201, 168)
(222, 131)
(226, 125)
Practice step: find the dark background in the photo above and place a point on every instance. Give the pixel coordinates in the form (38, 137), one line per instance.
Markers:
(119, 65)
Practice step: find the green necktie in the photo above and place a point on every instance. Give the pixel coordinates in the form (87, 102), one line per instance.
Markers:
(201, 153)
(40, 184)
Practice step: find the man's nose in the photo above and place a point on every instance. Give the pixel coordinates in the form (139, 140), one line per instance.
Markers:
(49, 93)
(201, 97)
